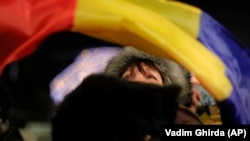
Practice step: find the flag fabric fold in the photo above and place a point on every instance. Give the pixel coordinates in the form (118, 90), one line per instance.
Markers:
(168, 29)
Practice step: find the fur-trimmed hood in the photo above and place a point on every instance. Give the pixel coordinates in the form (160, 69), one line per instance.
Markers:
(171, 72)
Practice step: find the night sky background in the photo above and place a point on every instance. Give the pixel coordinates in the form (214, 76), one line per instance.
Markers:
(29, 78)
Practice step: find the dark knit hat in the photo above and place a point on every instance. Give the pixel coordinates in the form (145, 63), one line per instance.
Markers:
(171, 72)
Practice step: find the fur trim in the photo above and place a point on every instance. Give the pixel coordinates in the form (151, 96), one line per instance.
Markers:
(172, 72)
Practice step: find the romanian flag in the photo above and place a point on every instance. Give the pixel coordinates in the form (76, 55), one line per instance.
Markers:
(168, 29)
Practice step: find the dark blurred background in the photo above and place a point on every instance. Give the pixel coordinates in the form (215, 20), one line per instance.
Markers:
(29, 78)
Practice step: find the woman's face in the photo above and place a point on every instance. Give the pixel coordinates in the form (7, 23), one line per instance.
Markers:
(147, 74)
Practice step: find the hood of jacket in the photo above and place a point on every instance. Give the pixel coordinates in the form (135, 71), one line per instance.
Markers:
(172, 72)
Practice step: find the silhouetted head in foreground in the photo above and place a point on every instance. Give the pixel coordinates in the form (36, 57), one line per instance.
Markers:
(107, 108)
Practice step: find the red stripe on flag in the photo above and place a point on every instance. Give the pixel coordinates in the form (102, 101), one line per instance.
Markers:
(25, 23)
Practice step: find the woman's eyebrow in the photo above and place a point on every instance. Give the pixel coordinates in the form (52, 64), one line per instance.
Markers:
(151, 69)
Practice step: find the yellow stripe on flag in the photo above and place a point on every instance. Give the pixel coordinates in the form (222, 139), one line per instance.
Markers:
(184, 16)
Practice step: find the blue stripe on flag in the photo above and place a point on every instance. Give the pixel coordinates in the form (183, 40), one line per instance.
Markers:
(236, 58)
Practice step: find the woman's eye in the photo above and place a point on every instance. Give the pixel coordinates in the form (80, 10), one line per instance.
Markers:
(151, 77)
(127, 77)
